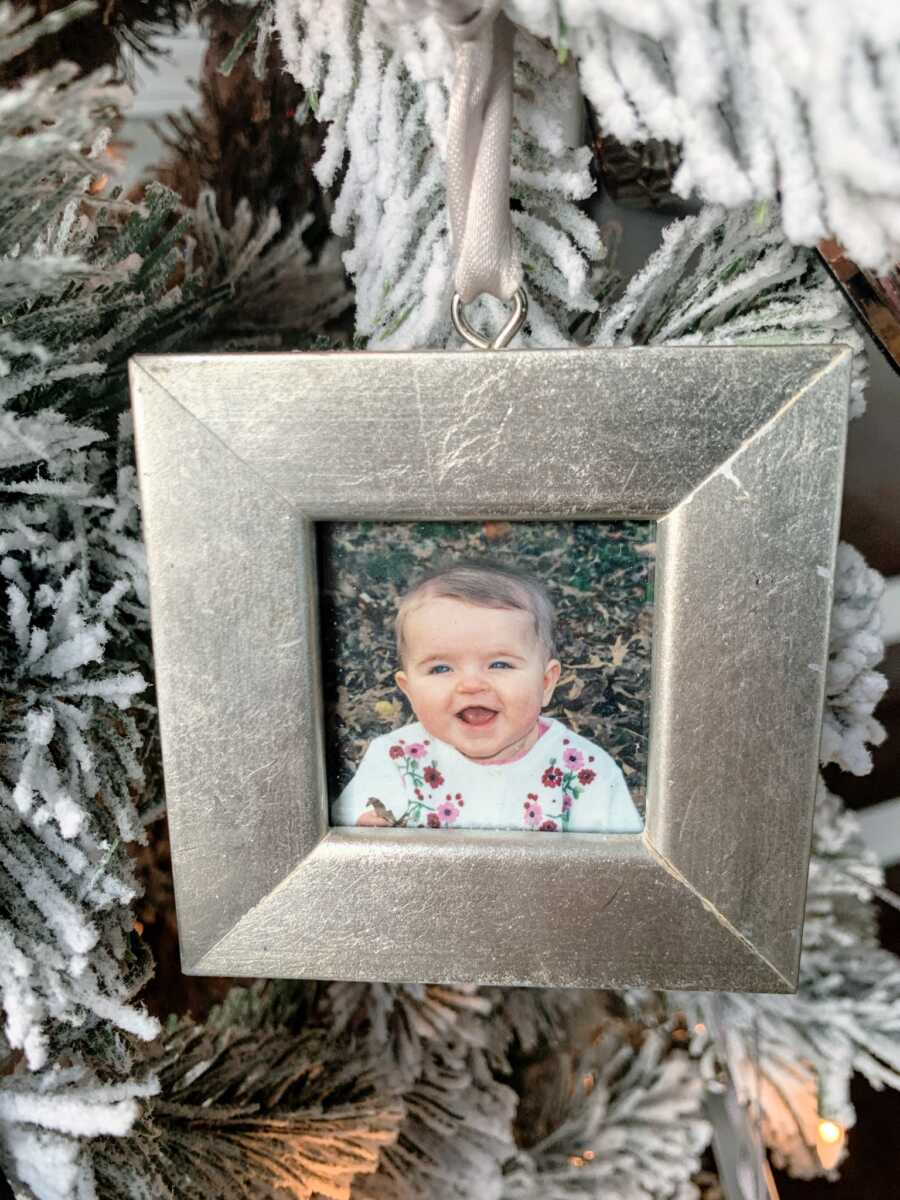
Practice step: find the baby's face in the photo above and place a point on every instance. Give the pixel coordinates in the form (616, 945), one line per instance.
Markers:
(476, 677)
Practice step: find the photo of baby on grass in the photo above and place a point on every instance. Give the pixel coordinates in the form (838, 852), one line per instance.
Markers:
(476, 656)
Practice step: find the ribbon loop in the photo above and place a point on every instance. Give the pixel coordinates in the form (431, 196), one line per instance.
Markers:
(479, 130)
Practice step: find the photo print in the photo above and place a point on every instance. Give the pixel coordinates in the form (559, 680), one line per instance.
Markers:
(490, 675)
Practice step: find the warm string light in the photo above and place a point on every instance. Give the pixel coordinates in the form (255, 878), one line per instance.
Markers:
(830, 1137)
(579, 1160)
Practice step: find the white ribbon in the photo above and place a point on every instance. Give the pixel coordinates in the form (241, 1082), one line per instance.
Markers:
(478, 140)
(479, 127)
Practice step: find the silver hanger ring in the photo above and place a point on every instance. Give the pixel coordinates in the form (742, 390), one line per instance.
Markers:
(506, 334)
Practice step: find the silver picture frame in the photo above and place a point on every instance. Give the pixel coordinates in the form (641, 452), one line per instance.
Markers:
(736, 452)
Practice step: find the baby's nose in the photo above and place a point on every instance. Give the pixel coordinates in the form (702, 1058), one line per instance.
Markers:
(472, 681)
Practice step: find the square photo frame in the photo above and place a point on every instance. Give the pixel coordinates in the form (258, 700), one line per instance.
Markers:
(581, 765)
(735, 452)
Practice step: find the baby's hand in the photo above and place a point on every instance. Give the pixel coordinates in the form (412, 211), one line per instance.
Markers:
(370, 818)
(379, 816)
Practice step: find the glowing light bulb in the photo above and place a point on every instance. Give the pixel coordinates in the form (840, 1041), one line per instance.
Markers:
(829, 1142)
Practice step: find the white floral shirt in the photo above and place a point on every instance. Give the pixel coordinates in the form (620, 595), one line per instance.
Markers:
(564, 782)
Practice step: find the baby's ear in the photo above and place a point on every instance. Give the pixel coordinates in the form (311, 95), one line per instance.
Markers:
(552, 672)
(402, 682)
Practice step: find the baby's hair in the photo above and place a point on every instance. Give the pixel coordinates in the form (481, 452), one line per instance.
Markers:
(479, 581)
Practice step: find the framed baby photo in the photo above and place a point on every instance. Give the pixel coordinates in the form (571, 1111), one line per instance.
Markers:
(492, 667)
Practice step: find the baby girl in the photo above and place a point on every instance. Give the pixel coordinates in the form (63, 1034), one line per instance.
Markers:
(475, 643)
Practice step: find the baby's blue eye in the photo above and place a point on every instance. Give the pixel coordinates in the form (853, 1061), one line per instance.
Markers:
(498, 662)
(439, 668)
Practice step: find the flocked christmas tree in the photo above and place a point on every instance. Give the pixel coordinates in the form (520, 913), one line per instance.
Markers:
(377, 1090)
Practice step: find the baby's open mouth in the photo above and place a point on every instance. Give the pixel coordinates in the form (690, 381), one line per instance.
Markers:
(476, 715)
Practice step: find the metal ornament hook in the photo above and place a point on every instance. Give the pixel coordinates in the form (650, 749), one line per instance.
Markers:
(506, 334)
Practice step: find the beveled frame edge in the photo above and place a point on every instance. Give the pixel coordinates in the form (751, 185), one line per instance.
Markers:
(241, 948)
(776, 570)
(696, 947)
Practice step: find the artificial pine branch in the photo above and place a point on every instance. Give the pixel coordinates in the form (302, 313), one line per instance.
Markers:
(91, 35)
(75, 637)
(457, 1134)
(791, 101)
(251, 1106)
(638, 175)
(383, 92)
(275, 293)
(730, 278)
(799, 1053)
(629, 1126)
(533, 1019)
(409, 1018)
(254, 141)
(86, 280)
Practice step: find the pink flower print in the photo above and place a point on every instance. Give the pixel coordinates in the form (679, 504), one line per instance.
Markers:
(396, 752)
(552, 777)
(447, 812)
(573, 758)
(433, 777)
(434, 821)
(534, 814)
(567, 802)
(548, 827)
(416, 750)
(586, 776)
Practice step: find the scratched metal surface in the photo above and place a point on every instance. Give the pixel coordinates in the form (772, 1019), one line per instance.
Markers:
(469, 435)
(745, 589)
(737, 450)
